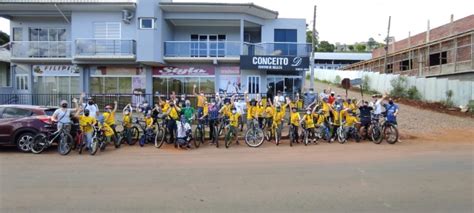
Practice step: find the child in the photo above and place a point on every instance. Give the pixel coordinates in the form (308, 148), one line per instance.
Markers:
(107, 130)
(109, 116)
(127, 121)
(308, 120)
(183, 132)
(234, 125)
(294, 122)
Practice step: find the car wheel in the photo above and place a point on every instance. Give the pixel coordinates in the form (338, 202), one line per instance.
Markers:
(24, 140)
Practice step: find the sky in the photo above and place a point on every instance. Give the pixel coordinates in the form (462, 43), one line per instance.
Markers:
(349, 21)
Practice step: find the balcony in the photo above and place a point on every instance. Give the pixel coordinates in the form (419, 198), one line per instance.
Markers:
(182, 51)
(105, 49)
(278, 48)
(41, 51)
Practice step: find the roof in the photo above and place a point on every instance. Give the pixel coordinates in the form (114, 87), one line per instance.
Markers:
(202, 7)
(342, 56)
(67, 1)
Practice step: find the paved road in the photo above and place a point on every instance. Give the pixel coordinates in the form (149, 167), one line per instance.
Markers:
(423, 175)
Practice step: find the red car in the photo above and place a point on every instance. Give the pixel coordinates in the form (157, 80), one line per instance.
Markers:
(20, 123)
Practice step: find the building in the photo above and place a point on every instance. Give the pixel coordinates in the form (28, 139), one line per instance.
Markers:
(5, 77)
(148, 46)
(337, 60)
(442, 52)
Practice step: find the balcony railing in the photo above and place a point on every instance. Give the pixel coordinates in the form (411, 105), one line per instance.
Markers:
(40, 49)
(204, 49)
(105, 47)
(278, 48)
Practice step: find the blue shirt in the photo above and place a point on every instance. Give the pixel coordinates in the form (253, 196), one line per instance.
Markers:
(391, 109)
(213, 113)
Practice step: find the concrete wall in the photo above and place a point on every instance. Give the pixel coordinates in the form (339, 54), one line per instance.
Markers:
(431, 89)
(82, 24)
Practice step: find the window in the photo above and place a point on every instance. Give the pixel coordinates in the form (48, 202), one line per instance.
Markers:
(46, 34)
(17, 34)
(5, 75)
(107, 30)
(253, 84)
(389, 68)
(283, 37)
(22, 82)
(406, 65)
(147, 23)
(16, 113)
(439, 58)
(208, 45)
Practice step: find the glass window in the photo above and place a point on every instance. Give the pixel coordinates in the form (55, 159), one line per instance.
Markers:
(285, 35)
(175, 85)
(160, 85)
(4, 75)
(125, 85)
(110, 85)
(147, 23)
(17, 34)
(206, 84)
(96, 85)
(15, 113)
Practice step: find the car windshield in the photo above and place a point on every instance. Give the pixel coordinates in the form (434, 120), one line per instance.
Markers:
(49, 112)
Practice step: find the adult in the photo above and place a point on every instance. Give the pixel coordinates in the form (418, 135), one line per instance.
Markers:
(188, 111)
(270, 94)
(376, 104)
(241, 107)
(213, 117)
(391, 110)
(183, 131)
(309, 98)
(279, 98)
(332, 98)
(62, 115)
(91, 106)
(201, 99)
(365, 116)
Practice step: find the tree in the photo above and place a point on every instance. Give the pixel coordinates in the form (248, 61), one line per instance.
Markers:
(4, 38)
(351, 48)
(325, 46)
(371, 43)
(360, 47)
(309, 40)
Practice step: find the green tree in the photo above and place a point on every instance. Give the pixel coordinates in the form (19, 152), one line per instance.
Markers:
(360, 47)
(325, 46)
(371, 43)
(308, 39)
(4, 38)
(351, 47)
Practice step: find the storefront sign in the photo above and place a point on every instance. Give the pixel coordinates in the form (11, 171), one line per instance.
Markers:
(274, 63)
(230, 70)
(184, 70)
(55, 70)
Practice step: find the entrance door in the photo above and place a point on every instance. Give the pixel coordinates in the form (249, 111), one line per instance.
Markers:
(253, 84)
(22, 82)
(288, 85)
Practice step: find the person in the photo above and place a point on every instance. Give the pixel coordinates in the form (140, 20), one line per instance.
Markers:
(294, 121)
(145, 108)
(109, 116)
(105, 128)
(213, 116)
(323, 94)
(279, 98)
(91, 106)
(308, 120)
(240, 105)
(251, 110)
(173, 115)
(260, 113)
(332, 98)
(86, 122)
(183, 132)
(127, 121)
(278, 117)
(350, 121)
(309, 98)
(376, 104)
(62, 116)
(234, 118)
(200, 100)
(188, 111)
(391, 110)
(337, 115)
(365, 116)
(268, 113)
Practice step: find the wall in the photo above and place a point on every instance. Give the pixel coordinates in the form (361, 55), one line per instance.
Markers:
(184, 33)
(83, 24)
(268, 29)
(43, 22)
(431, 89)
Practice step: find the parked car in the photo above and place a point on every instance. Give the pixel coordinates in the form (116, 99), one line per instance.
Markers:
(20, 123)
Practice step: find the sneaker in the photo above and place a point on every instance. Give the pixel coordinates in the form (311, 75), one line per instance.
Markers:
(237, 142)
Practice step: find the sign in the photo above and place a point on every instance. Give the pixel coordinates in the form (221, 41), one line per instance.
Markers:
(346, 83)
(230, 70)
(356, 81)
(274, 63)
(184, 71)
(55, 70)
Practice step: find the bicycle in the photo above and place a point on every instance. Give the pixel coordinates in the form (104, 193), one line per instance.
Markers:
(148, 134)
(323, 132)
(277, 129)
(254, 136)
(199, 133)
(44, 140)
(306, 133)
(129, 136)
(388, 131)
(229, 135)
(342, 135)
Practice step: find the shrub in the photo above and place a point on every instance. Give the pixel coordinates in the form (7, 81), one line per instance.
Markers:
(366, 83)
(307, 76)
(449, 98)
(337, 80)
(471, 106)
(399, 86)
(413, 93)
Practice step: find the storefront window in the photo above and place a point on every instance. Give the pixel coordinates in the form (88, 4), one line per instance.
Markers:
(183, 85)
(117, 80)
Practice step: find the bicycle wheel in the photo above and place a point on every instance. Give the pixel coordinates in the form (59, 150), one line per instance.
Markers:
(160, 138)
(292, 135)
(267, 134)
(198, 137)
(254, 137)
(117, 142)
(341, 136)
(377, 135)
(305, 137)
(277, 136)
(39, 143)
(94, 146)
(391, 134)
(135, 135)
(227, 138)
(65, 144)
(216, 137)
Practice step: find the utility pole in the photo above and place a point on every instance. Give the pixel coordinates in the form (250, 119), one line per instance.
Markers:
(386, 45)
(313, 42)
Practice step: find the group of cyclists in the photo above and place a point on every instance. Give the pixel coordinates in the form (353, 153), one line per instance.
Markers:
(325, 116)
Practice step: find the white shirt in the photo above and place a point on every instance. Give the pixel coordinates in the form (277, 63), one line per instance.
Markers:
(240, 106)
(377, 106)
(93, 109)
(64, 117)
(182, 129)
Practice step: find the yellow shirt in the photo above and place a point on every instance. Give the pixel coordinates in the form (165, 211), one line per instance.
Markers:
(269, 111)
(251, 110)
(127, 121)
(86, 123)
(205, 110)
(165, 107)
(337, 117)
(278, 116)
(295, 118)
(325, 108)
(260, 111)
(200, 101)
(109, 118)
(353, 106)
(350, 120)
(226, 110)
(174, 113)
(234, 119)
(308, 120)
(320, 119)
(149, 122)
(107, 130)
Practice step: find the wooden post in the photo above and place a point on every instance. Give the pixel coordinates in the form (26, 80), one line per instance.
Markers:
(386, 45)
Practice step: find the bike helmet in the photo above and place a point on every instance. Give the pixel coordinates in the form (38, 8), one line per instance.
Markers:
(108, 107)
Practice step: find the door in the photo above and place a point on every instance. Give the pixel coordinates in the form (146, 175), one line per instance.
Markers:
(253, 84)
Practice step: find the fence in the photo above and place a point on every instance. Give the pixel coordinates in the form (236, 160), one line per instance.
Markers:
(431, 89)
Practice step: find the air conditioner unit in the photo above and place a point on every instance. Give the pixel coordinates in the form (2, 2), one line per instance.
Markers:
(127, 16)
